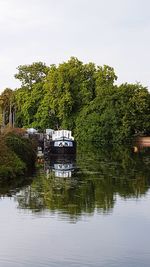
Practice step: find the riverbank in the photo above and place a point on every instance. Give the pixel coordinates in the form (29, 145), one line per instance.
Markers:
(17, 155)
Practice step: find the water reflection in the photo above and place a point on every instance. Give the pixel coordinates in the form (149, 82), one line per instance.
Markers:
(35, 229)
(60, 166)
(10, 187)
(91, 183)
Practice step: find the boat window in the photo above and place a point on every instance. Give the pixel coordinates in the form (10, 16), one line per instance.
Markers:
(56, 143)
(60, 144)
(66, 144)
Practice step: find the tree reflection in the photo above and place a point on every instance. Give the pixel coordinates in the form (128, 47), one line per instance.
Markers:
(10, 187)
(99, 176)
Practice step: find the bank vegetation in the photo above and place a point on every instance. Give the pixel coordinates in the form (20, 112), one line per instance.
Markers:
(81, 97)
(17, 154)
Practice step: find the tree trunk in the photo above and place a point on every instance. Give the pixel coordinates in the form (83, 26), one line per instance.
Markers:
(10, 116)
(13, 118)
(3, 124)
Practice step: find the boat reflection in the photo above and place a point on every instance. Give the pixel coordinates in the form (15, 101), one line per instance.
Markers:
(91, 182)
(60, 166)
(101, 176)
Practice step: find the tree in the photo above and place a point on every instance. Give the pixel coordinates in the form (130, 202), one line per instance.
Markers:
(83, 98)
(30, 95)
(30, 74)
(116, 115)
(70, 86)
(105, 78)
(135, 105)
(7, 107)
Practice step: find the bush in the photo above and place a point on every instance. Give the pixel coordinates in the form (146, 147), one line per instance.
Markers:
(10, 164)
(23, 148)
(17, 154)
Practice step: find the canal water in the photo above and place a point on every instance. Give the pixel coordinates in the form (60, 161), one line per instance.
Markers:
(88, 210)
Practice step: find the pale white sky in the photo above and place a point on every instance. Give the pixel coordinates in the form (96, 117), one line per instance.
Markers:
(112, 32)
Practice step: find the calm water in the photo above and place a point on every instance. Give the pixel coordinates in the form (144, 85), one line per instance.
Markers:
(92, 210)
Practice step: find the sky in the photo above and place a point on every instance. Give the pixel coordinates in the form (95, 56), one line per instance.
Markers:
(110, 32)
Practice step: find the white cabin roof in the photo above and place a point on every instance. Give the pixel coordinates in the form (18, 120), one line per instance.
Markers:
(60, 134)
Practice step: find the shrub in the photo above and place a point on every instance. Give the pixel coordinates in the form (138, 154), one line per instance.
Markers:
(10, 164)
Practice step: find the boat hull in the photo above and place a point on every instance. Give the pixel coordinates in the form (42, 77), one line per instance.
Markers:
(51, 149)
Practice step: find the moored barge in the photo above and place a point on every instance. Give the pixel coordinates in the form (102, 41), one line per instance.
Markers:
(59, 142)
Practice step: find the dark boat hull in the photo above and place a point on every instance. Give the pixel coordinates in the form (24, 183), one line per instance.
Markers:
(60, 150)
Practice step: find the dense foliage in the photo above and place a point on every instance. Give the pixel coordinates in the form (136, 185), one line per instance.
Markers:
(10, 164)
(81, 97)
(17, 155)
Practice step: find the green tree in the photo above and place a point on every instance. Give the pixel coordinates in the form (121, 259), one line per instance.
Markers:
(70, 86)
(105, 78)
(115, 115)
(7, 105)
(30, 74)
(83, 98)
(31, 93)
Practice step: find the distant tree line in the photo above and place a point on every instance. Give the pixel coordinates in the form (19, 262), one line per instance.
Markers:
(81, 97)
